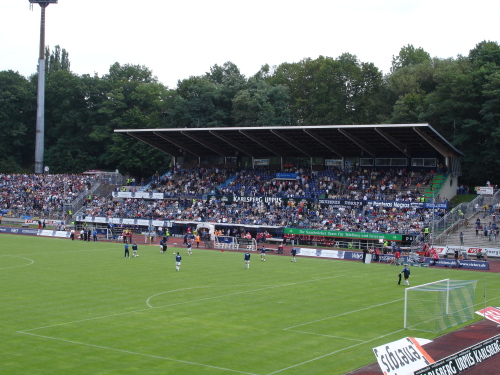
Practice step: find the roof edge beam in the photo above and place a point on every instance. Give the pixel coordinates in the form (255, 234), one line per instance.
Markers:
(236, 145)
(361, 144)
(401, 147)
(179, 144)
(269, 147)
(335, 149)
(215, 149)
(436, 146)
(152, 143)
(291, 142)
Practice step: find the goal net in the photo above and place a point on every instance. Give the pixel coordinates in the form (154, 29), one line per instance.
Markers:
(439, 305)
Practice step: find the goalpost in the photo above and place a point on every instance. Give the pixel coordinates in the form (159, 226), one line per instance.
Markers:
(439, 305)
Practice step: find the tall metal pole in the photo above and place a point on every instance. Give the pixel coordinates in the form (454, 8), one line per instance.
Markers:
(433, 216)
(40, 112)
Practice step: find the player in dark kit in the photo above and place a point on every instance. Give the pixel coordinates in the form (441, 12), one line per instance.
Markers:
(294, 252)
(127, 254)
(406, 273)
(263, 253)
(178, 259)
(247, 260)
(163, 245)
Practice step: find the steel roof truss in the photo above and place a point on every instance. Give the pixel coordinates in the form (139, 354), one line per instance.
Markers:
(182, 146)
(333, 148)
(405, 149)
(236, 145)
(361, 144)
(268, 146)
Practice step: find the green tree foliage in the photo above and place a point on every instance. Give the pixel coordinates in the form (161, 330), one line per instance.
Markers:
(56, 60)
(408, 56)
(262, 104)
(17, 125)
(331, 91)
(458, 96)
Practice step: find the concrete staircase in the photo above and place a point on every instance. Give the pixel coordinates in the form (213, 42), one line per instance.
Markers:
(470, 237)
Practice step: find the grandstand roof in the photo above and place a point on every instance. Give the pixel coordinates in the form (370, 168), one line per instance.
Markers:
(329, 141)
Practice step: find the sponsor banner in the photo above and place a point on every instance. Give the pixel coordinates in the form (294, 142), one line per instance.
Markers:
(53, 233)
(308, 252)
(10, 230)
(491, 252)
(100, 219)
(441, 250)
(230, 199)
(468, 264)
(128, 221)
(409, 237)
(358, 255)
(465, 359)
(260, 161)
(244, 241)
(343, 234)
(341, 202)
(385, 204)
(485, 189)
(224, 239)
(333, 162)
(402, 357)
(491, 313)
(332, 254)
(156, 223)
(289, 176)
(137, 195)
(47, 222)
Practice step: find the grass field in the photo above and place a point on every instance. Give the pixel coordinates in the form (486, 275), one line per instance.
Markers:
(82, 308)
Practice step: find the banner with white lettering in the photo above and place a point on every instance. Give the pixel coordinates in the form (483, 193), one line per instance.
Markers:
(485, 189)
(465, 359)
(490, 313)
(402, 357)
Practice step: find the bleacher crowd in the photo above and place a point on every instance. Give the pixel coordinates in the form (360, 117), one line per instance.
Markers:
(186, 192)
(40, 194)
(186, 199)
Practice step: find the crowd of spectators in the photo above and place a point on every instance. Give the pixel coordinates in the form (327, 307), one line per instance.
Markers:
(40, 194)
(397, 185)
(358, 183)
(186, 191)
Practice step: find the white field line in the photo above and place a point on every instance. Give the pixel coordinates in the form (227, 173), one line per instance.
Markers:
(319, 334)
(67, 251)
(22, 265)
(179, 303)
(135, 353)
(334, 352)
(346, 313)
(349, 347)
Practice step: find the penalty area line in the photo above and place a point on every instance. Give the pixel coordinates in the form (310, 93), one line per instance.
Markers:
(334, 352)
(140, 354)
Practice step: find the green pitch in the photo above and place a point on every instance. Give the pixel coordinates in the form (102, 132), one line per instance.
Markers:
(74, 307)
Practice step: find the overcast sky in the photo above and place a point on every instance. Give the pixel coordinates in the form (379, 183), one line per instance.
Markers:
(178, 39)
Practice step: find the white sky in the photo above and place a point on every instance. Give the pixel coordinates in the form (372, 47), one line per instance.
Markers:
(178, 39)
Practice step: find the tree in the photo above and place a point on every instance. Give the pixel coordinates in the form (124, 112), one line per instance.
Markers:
(56, 60)
(331, 91)
(262, 105)
(17, 122)
(409, 55)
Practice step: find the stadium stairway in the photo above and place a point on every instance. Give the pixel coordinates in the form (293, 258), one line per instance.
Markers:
(434, 186)
(470, 238)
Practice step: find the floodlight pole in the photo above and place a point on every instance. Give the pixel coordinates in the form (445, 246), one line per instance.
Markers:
(40, 112)
(433, 216)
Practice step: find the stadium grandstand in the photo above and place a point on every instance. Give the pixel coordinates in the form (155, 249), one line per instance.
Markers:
(318, 185)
